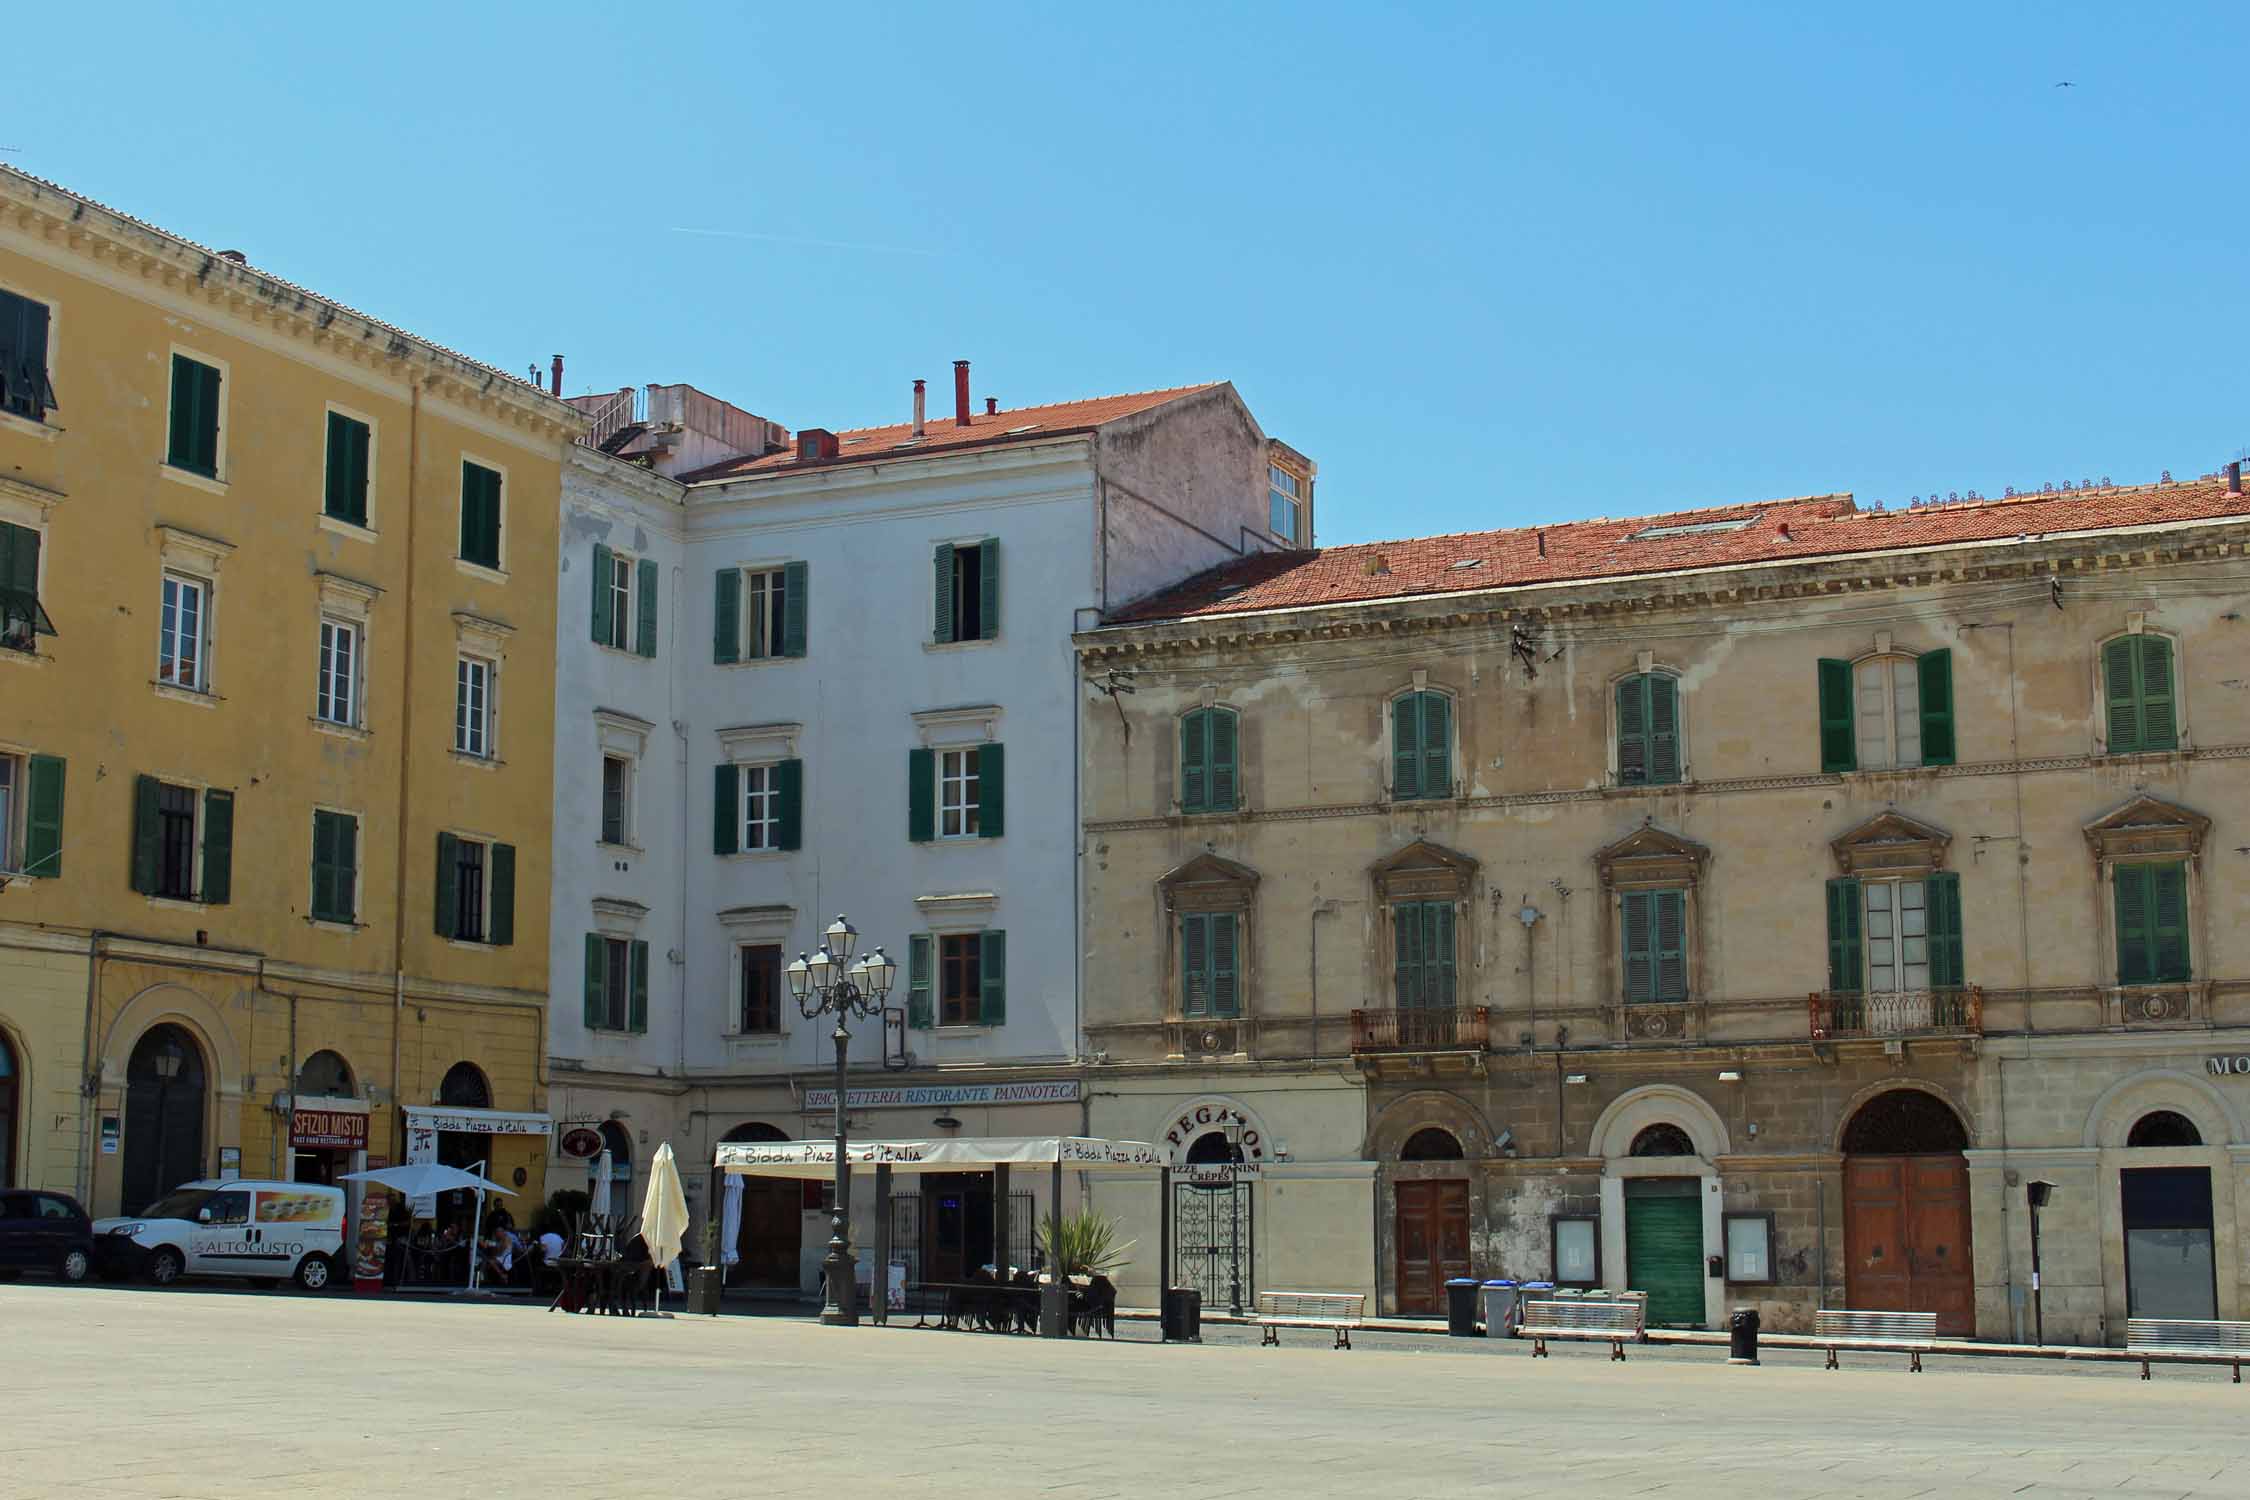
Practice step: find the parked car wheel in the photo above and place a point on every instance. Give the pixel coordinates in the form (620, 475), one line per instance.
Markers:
(165, 1266)
(74, 1265)
(313, 1273)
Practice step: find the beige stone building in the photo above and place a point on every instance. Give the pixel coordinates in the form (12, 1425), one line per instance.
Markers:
(1750, 906)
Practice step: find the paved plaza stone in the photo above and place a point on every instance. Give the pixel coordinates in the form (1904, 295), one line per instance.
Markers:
(189, 1392)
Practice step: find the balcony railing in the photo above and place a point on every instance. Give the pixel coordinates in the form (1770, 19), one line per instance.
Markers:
(1840, 1015)
(1463, 1030)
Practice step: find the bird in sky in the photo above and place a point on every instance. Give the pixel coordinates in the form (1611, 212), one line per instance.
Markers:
(2066, 84)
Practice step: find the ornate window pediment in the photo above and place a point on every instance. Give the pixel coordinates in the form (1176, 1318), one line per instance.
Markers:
(1209, 882)
(1892, 844)
(2148, 828)
(1424, 871)
(1651, 857)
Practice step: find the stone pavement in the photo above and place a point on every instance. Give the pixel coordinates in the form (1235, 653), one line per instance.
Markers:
(136, 1392)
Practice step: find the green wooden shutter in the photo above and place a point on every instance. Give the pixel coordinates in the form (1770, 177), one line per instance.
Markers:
(1846, 969)
(500, 932)
(796, 603)
(2168, 908)
(2160, 720)
(480, 515)
(1663, 730)
(1943, 894)
(1195, 753)
(726, 809)
(148, 835)
(1670, 911)
(604, 619)
(347, 868)
(1406, 748)
(1637, 919)
(1934, 671)
(597, 979)
(43, 817)
(636, 1019)
(1225, 773)
(448, 886)
(1226, 988)
(988, 601)
(918, 1012)
(1437, 745)
(1839, 745)
(337, 499)
(207, 419)
(324, 866)
(992, 974)
(2121, 695)
(194, 441)
(726, 616)
(942, 561)
(2136, 943)
(180, 444)
(1438, 955)
(921, 796)
(1406, 927)
(361, 470)
(789, 790)
(218, 847)
(644, 627)
(992, 791)
(1632, 731)
(1195, 963)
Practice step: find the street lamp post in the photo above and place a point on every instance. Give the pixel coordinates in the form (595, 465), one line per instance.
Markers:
(829, 983)
(1234, 1209)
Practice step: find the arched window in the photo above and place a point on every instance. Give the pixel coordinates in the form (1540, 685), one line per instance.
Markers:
(1662, 1140)
(755, 1130)
(2164, 1127)
(465, 1087)
(1889, 709)
(1210, 780)
(2140, 709)
(618, 1142)
(1431, 1144)
(1905, 1122)
(7, 1115)
(325, 1075)
(1211, 1149)
(1648, 729)
(1421, 746)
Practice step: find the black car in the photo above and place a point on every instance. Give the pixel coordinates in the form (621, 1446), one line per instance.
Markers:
(45, 1232)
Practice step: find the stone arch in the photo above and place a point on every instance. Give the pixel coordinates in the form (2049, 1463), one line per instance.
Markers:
(755, 1130)
(168, 1000)
(1658, 1104)
(1860, 1099)
(1179, 1129)
(326, 1065)
(2112, 1116)
(18, 1086)
(1412, 1113)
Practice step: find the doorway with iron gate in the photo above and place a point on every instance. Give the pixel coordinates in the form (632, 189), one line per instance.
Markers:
(1215, 1225)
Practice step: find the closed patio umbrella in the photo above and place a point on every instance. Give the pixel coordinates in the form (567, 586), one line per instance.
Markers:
(664, 1213)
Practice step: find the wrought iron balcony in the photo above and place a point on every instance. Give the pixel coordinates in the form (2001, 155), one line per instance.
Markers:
(1417, 1030)
(1838, 1015)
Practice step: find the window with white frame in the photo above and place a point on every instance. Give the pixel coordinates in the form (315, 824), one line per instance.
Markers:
(336, 691)
(1898, 935)
(959, 799)
(761, 807)
(472, 707)
(620, 585)
(617, 799)
(183, 633)
(766, 603)
(1888, 711)
(1285, 508)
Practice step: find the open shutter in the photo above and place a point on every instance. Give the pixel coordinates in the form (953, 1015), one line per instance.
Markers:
(644, 627)
(605, 564)
(448, 886)
(1846, 969)
(1225, 776)
(789, 792)
(43, 817)
(597, 972)
(1632, 731)
(726, 616)
(180, 448)
(1839, 749)
(323, 865)
(347, 865)
(992, 792)
(1944, 896)
(921, 795)
(2136, 956)
(206, 419)
(500, 932)
(1406, 747)
(1670, 909)
(338, 497)
(1195, 759)
(1406, 941)
(1195, 964)
(2121, 695)
(1438, 955)
(2168, 911)
(796, 580)
(147, 835)
(1437, 745)
(988, 600)
(1934, 669)
(992, 972)
(636, 1019)
(918, 982)
(1663, 730)
(1637, 919)
(2160, 720)
(942, 562)
(362, 436)
(726, 808)
(1226, 992)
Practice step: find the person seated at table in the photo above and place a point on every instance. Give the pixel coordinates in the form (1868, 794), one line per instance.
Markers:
(498, 1253)
(551, 1246)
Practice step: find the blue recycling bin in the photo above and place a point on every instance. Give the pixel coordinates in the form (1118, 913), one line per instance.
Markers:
(1499, 1308)
(1461, 1307)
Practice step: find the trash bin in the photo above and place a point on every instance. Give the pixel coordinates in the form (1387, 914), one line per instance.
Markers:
(1461, 1307)
(1742, 1336)
(1499, 1308)
(1183, 1315)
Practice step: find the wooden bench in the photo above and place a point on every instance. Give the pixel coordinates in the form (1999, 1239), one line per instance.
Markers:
(1617, 1321)
(2189, 1341)
(1342, 1311)
(1913, 1333)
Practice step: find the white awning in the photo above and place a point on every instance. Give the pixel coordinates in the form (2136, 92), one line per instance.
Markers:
(477, 1121)
(815, 1161)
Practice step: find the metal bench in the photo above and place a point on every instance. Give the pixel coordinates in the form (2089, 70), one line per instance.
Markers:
(2189, 1340)
(1617, 1321)
(1913, 1333)
(1342, 1311)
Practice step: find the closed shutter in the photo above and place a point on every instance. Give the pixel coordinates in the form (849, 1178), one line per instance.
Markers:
(2160, 720)
(1195, 964)
(726, 616)
(789, 792)
(194, 442)
(918, 1014)
(218, 847)
(992, 973)
(1663, 730)
(1632, 731)
(148, 835)
(448, 886)
(796, 603)
(605, 564)
(500, 932)
(1437, 955)
(1846, 972)
(346, 497)
(1671, 944)
(921, 796)
(597, 978)
(1664, 1257)
(1195, 761)
(988, 600)
(1406, 748)
(636, 1019)
(2136, 944)
(2121, 696)
(1226, 990)
(24, 387)
(726, 809)
(325, 850)
(1935, 671)
(1637, 917)
(992, 792)
(644, 626)
(480, 515)
(1406, 941)
(1225, 776)
(1944, 897)
(1437, 745)
(2168, 908)
(942, 563)
(43, 817)
(1839, 746)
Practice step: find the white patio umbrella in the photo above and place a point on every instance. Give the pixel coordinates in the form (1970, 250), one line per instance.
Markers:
(663, 1213)
(597, 1191)
(730, 1223)
(427, 1179)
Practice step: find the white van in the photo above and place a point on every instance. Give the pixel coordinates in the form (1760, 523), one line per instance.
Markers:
(259, 1230)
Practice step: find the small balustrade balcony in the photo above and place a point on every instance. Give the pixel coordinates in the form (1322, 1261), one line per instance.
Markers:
(1838, 1015)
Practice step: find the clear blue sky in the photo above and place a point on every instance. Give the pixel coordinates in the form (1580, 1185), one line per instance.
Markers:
(1487, 265)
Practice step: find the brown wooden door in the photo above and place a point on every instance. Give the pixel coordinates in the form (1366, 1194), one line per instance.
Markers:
(1906, 1238)
(1433, 1243)
(771, 1232)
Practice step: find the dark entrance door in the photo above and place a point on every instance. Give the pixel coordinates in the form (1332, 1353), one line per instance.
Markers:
(164, 1082)
(1664, 1248)
(2169, 1269)
(1433, 1243)
(1906, 1211)
(771, 1233)
(957, 1215)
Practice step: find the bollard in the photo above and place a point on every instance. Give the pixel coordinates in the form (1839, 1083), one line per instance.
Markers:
(1742, 1337)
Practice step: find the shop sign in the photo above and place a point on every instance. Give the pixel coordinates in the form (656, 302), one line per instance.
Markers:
(2221, 1064)
(582, 1141)
(477, 1121)
(230, 1163)
(1216, 1174)
(112, 1128)
(1210, 1115)
(330, 1129)
(1063, 1091)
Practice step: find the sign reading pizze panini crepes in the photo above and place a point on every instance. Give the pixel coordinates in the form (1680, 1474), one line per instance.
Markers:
(328, 1129)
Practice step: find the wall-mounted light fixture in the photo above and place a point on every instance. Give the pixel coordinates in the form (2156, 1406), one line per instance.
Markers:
(1574, 1078)
(946, 1122)
(1730, 1076)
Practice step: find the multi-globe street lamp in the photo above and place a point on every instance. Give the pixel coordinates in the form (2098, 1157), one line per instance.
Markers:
(829, 983)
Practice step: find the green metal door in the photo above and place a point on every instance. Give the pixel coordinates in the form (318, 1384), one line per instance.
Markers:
(1664, 1256)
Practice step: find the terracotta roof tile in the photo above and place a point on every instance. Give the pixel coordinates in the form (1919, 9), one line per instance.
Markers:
(1722, 536)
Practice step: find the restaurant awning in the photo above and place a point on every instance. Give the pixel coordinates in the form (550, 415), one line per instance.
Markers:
(815, 1161)
(477, 1121)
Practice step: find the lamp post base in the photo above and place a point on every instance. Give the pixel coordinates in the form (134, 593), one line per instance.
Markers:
(839, 1317)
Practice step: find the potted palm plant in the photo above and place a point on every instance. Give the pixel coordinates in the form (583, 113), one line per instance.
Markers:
(706, 1280)
(1087, 1245)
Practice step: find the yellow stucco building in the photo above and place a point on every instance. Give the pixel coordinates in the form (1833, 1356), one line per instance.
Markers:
(276, 724)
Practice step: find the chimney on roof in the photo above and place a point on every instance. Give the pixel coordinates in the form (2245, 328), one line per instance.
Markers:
(2234, 477)
(918, 397)
(236, 256)
(1784, 533)
(960, 393)
(558, 378)
(1542, 543)
(817, 442)
(1378, 565)
(992, 406)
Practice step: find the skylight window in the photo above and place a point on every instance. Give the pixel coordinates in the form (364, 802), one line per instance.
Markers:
(1026, 427)
(1698, 528)
(1469, 562)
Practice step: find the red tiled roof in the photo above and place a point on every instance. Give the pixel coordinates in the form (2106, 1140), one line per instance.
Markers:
(940, 433)
(1776, 531)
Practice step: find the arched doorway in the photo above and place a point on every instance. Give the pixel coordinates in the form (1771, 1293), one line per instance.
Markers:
(165, 1082)
(1431, 1143)
(2170, 1260)
(617, 1141)
(769, 1220)
(1906, 1210)
(7, 1114)
(464, 1087)
(1664, 1231)
(327, 1121)
(1214, 1220)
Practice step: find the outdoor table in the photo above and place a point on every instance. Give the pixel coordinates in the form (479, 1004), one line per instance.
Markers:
(960, 1296)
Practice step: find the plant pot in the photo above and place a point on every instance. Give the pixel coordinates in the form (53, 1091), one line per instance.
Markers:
(703, 1285)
